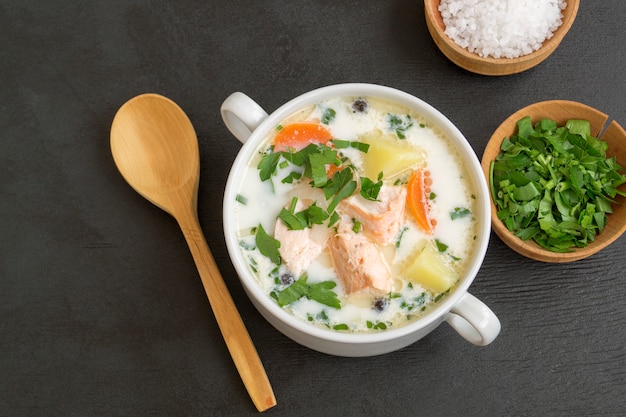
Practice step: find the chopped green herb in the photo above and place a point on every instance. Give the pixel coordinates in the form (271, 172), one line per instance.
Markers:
(253, 264)
(267, 245)
(328, 116)
(441, 247)
(241, 199)
(459, 212)
(356, 226)
(399, 240)
(553, 184)
(313, 160)
(268, 164)
(293, 204)
(399, 124)
(343, 144)
(299, 158)
(318, 162)
(323, 316)
(320, 292)
(315, 215)
(334, 218)
(293, 176)
(361, 146)
(415, 302)
(340, 187)
(440, 296)
(302, 219)
(341, 326)
(370, 189)
(344, 193)
(247, 245)
(291, 220)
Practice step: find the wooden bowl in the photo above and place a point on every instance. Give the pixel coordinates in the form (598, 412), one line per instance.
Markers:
(561, 111)
(494, 66)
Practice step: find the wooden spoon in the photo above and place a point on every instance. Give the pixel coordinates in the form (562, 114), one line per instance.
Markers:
(155, 148)
(488, 65)
(561, 111)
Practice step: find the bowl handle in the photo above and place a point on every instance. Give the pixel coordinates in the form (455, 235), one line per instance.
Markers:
(241, 115)
(474, 321)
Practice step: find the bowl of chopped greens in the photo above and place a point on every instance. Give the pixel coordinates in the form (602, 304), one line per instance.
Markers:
(557, 181)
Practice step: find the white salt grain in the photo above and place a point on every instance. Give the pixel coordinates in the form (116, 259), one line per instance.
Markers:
(501, 28)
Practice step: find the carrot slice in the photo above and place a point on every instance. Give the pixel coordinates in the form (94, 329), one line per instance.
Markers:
(299, 135)
(332, 169)
(418, 190)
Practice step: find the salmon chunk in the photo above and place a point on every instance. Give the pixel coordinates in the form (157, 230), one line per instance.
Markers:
(380, 219)
(359, 264)
(298, 248)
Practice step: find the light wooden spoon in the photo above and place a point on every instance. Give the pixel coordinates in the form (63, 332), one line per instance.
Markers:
(155, 148)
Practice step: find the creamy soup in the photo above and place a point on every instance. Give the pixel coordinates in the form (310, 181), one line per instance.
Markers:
(356, 214)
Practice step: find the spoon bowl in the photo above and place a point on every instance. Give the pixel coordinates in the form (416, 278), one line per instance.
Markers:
(561, 111)
(488, 65)
(155, 148)
(156, 151)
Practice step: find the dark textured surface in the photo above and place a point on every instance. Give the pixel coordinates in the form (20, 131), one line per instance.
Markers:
(101, 309)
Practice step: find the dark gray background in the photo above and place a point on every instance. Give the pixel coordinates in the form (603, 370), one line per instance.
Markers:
(102, 312)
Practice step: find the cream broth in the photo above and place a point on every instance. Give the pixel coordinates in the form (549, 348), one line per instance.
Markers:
(423, 265)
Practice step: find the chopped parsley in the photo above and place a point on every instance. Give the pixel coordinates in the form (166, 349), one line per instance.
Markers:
(322, 292)
(441, 247)
(400, 235)
(303, 219)
(377, 325)
(370, 189)
(312, 162)
(415, 303)
(328, 115)
(339, 188)
(267, 245)
(459, 212)
(344, 144)
(399, 124)
(267, 166)
(555, 185)
(292, 177)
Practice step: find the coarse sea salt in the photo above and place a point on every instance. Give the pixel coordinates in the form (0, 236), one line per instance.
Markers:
(501, 28)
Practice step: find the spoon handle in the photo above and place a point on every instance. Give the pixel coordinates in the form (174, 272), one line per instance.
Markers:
(233, 330)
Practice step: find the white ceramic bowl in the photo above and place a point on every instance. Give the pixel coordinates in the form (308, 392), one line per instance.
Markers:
(471, 318)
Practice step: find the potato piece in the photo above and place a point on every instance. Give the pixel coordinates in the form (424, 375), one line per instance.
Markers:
(389, 155)
(430, 270)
